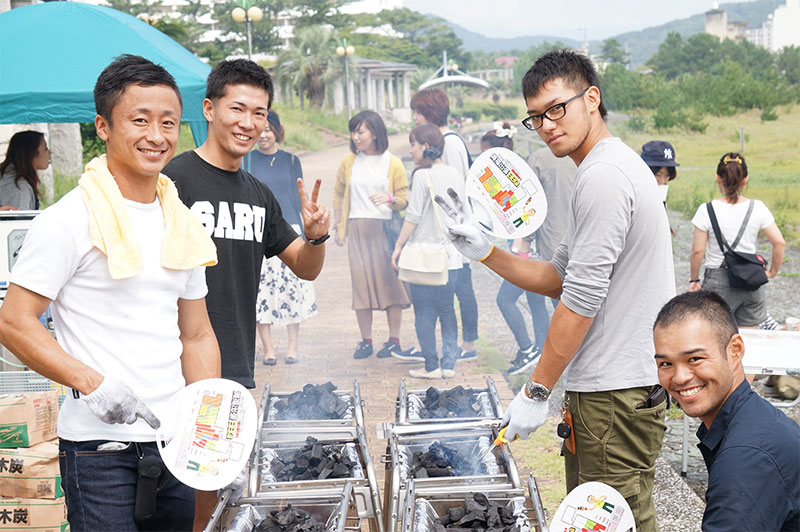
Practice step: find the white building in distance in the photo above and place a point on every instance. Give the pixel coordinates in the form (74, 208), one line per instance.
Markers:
(778, 31)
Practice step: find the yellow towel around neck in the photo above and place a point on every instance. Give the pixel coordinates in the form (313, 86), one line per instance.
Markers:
(186, 243)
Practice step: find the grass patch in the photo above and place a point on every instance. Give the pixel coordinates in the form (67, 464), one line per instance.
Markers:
(300, 131)
(772, 150)
(674, 411)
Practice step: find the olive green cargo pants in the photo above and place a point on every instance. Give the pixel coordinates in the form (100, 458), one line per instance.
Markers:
(617, 441)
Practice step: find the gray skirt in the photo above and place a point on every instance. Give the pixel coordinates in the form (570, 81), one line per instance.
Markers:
(374, 281)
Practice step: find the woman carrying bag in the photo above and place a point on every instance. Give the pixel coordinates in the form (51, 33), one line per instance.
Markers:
(738, 221)
(422, 232)
(370, 185)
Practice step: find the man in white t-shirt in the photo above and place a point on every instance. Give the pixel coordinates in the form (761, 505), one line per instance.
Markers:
(131, 333)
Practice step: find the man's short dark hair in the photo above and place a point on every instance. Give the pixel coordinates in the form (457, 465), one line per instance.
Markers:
(706, 305)
(238, 72)
(127, 70)
(575, 69)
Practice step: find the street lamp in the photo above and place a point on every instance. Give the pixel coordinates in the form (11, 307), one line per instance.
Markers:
(245, 14)
(343, 51)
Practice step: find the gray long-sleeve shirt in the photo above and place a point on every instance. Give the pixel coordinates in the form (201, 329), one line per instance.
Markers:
(19, 194)
(615, 262)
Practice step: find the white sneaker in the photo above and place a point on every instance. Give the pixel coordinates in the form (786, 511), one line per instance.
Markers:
(448, 373)
(422, 373)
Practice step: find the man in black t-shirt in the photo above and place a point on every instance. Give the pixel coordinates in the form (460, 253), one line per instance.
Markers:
(240, 213)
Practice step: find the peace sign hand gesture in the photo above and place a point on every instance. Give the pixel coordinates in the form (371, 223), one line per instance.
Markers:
(316, 217)
(465, 236)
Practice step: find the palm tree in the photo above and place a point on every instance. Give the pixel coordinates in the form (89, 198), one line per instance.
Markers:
(310, 63)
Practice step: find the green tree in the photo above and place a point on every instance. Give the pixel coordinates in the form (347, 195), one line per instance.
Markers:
(612, 52)
(788, 63)
(423, 40)
(317, 12)
(528, 57)
(310, 63)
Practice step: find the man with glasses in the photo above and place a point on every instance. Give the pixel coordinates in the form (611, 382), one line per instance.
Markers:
(613, 271)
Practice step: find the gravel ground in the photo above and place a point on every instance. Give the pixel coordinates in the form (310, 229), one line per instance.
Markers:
(678, 506)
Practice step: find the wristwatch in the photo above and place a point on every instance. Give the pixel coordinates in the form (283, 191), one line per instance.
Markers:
(536, 391)
(320, 240)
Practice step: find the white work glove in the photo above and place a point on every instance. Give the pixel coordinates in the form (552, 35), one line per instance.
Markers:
(114, 402)
(238, 486)
(523, 416)
(468, 239)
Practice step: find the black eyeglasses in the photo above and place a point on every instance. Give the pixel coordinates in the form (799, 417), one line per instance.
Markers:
(554, 112)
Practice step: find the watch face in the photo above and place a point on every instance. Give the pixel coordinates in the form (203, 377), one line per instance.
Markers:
(537, 391)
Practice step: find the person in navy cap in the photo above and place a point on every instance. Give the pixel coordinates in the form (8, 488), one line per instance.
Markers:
(660, 157)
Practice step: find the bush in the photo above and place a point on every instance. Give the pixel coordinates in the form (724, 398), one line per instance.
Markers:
(637, 123)
(768, 115)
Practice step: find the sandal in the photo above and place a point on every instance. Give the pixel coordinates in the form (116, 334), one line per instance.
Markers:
(291, 360)
(270, 361)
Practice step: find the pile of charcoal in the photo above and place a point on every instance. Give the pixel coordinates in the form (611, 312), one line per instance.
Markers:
(314, 402)
(457, 402)
(478, 513)
(443, 461)
(315, 461)
(289, 520)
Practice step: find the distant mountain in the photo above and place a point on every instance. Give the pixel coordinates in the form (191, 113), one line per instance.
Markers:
(641, 45)
(474, 41)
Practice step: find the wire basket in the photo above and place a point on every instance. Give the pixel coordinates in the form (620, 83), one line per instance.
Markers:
(29, 381)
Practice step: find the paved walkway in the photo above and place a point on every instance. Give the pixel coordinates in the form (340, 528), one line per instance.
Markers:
(328, 340)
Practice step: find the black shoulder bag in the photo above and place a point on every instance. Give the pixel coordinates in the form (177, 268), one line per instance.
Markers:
(747, 271)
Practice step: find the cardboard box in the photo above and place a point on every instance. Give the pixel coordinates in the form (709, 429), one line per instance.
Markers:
(31, 472)
(42, 515)
(28, 418)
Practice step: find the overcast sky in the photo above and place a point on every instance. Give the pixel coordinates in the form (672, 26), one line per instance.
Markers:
(562, 18)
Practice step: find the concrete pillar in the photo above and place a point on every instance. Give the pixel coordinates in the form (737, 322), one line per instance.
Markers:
(406, 90)
(381, 94)
(67, 152)
(392, 102)
(338, 97)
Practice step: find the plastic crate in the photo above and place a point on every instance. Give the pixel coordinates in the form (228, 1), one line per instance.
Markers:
(29, 381)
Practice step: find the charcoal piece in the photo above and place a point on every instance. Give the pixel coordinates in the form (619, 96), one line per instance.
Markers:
(313, 461)
(455, 514)
(481, 499)
(340, 470)
(438, 527)
(457, 402)
(507, 516)
(472, 506)
(313, 402)
(493, 517)
(472, 518)
(420, 473)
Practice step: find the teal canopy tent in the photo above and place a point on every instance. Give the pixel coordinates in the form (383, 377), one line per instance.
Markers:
(52, 53)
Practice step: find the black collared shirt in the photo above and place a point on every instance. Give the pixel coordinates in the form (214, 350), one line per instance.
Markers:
(752, 452)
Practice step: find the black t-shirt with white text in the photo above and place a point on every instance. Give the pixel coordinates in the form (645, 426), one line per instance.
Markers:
(244, 219)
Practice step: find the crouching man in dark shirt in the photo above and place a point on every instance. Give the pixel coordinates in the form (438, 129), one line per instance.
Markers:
(751, 449)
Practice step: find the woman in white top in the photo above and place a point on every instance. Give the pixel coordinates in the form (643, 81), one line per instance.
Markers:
(432, 106)
(431, 303)
(370, 184)
(748, 306)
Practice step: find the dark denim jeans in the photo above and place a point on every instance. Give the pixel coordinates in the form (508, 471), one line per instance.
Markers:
(507, 298)
(100, 489)
(467, 303)
(432, 303)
